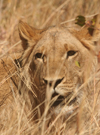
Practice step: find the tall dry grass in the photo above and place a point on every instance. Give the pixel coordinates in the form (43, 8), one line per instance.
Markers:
(40, 14)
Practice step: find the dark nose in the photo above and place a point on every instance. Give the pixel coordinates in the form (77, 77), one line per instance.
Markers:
(53, 83)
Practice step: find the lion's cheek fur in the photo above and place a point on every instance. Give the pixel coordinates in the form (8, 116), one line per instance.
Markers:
(36, 73)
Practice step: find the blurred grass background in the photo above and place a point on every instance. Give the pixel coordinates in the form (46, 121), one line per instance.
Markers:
(40, 14)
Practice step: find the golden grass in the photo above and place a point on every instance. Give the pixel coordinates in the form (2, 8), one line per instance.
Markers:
(40, 14)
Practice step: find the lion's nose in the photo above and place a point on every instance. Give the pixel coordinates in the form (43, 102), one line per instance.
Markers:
(53, 83)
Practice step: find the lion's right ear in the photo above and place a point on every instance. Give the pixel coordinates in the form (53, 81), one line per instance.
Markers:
(28, 34)
(89, 34)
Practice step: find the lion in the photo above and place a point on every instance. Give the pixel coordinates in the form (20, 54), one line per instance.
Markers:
(54, 69)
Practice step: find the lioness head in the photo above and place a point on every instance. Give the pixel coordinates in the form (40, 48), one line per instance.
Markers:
(57, 62)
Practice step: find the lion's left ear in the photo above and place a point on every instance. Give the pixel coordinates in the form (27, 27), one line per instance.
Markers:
(29, 34)
(89, 34)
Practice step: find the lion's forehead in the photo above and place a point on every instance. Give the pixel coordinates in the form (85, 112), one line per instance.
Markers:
(56, 35)
(55, 40)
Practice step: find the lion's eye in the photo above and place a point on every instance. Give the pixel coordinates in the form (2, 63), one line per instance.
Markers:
(38, 55)
(71, 53)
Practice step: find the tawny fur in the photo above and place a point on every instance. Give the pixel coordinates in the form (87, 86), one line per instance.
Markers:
(50, 56)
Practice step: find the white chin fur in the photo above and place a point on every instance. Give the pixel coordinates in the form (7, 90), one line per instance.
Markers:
(64, 110)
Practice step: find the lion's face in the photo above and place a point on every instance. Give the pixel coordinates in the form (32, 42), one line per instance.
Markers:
(60, 63)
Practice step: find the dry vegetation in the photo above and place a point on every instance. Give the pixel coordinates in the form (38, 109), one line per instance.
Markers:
(40, 14)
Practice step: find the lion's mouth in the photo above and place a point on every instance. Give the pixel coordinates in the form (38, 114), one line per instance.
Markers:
(61, 100)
